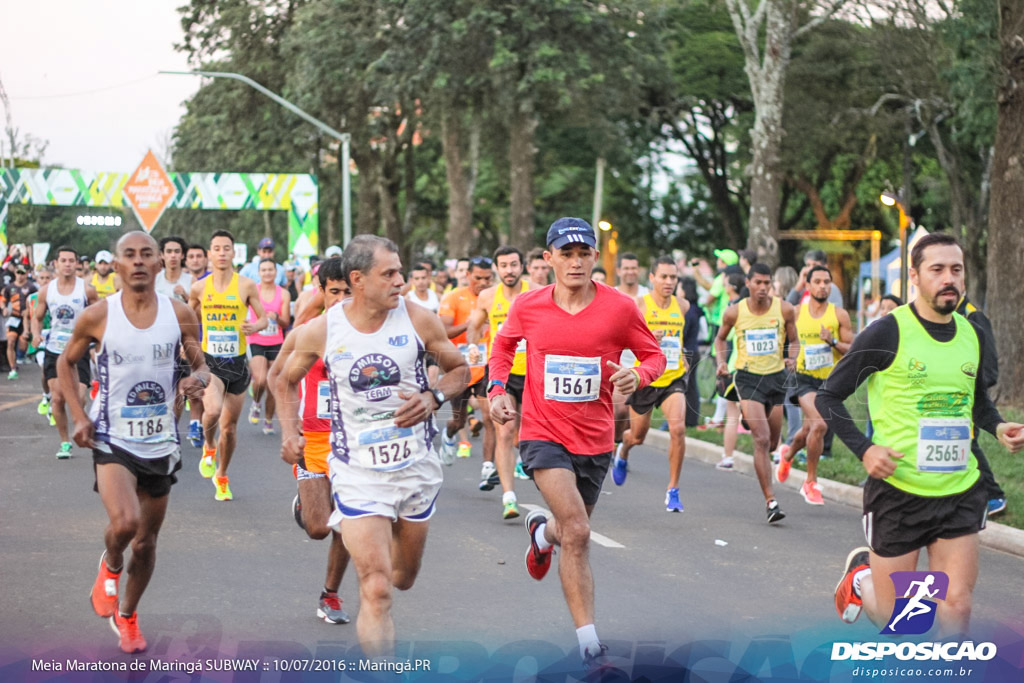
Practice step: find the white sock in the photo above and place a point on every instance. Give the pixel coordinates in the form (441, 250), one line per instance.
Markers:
(508, 497)
(587, 635)
(538, 536)
(858, 577)
(720, 404)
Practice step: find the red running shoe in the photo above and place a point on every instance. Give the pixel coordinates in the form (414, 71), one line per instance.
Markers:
(538, 561)
(104, 590)
(127, 630)
(848, 603)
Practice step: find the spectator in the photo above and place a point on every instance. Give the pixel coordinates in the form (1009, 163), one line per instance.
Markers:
(265, 250)
(799, 294)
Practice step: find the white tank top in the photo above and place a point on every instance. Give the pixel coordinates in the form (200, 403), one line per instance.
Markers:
(134, 407)
(64, 311)
(432, 303)
(366, 372)
(162, 286)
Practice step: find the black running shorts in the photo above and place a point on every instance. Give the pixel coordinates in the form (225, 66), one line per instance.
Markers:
(897, 522)
(269, 352)
(645, 399)
(769, 390)
(155, 476)
(50, 367)
(514, 387)
(590, 470)
(233, 372)
(803, 384)
(478, 389)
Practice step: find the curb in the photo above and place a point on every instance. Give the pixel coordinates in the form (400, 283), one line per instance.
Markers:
(995, 535)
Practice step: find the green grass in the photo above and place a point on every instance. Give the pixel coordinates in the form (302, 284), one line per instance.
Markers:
(844, 467)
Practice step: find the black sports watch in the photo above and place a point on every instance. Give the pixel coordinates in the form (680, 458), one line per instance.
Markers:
(438, 396)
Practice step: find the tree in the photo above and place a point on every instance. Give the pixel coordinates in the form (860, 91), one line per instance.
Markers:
(702, 102)
(1006, 212)
(766, 35)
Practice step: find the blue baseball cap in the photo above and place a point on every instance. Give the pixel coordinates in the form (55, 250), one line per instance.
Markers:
(570, 230)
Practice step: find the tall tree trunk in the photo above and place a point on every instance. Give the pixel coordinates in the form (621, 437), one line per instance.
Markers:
(411, 203)
(522, 149)
(1006, 210)
(766, 175)
(367, 192)
(389, 182)
(460, 194)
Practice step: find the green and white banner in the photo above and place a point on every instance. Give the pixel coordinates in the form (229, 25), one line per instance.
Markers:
(296, 193)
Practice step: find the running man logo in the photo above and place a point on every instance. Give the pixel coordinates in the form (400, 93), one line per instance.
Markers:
(914, 612)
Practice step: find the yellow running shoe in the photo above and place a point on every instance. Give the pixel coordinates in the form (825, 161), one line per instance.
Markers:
(208, 463)
(465, 449)
(223, 490)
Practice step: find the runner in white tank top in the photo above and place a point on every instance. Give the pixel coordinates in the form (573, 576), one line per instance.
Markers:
(64, 298)
(132, 432)
(385, 474)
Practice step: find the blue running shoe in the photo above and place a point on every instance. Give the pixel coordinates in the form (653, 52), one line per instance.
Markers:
(620, 468)
(195, 434)
(672, 503)
(996, 506)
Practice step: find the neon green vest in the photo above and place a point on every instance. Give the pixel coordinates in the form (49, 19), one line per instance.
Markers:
(925, 398)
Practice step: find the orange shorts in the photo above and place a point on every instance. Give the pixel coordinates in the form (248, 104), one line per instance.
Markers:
(318, 447)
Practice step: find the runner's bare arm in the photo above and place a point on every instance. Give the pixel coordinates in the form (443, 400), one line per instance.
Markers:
(478, 318)
(642, 342)
(280, 361)
(194, 385)
(721, 339)
(419, 407)
(91, 296)
(792, 336)
(195, 299)
(285, 316)
(845, 331)
(308, 306)
(309, 345)
(38, 313)
(250, 293)
(88, 330)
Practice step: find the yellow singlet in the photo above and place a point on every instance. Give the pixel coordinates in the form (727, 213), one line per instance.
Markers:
(816, 358)
(223, 314)
(497, 316)
(103, 287)
(760, 339)
(671, 320)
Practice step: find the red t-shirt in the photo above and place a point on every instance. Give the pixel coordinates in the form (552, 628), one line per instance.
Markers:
(556, 407)
(312, 403)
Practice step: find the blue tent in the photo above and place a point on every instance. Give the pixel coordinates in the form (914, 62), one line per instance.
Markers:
(883, 267)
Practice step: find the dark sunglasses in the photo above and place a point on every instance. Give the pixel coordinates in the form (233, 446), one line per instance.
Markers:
(481, 262)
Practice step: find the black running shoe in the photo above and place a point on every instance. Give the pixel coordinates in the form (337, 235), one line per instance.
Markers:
(774, 512)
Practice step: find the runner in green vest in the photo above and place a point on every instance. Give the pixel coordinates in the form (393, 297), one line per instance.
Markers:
(924, 366)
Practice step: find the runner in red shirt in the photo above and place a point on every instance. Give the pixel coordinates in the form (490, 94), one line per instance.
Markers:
(574, 332)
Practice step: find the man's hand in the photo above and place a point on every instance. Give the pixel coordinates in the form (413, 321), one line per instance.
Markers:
(417, 408)
(84, 431)
(790, 363)
(626, 380)
(1011, 435)
(292, 448)
(503, 408)
(659, 335)
(880, 461)
(826, 335)
(723, 369)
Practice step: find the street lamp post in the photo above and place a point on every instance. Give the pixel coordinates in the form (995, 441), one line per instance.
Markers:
(344, 138)
(890, 199)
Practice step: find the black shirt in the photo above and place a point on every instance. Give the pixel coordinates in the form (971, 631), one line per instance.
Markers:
(873, 350)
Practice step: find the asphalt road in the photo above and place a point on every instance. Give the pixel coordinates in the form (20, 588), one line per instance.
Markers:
(240, 579)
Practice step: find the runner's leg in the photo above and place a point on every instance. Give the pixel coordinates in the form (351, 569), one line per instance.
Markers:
(230, 411)
(958, 558)
(369, 540)
(143, 559)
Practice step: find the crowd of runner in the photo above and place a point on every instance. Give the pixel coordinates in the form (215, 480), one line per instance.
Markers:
(562, 373)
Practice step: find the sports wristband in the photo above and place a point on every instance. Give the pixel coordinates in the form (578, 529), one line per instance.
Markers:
(637, 375)
(495, 383)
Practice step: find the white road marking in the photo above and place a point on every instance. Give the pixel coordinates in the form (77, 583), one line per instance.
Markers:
(600, 539)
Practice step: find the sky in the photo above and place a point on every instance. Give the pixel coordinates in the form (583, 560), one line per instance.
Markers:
(83, 76)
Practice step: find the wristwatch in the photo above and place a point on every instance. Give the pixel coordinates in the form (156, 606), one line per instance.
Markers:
(438, 396)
